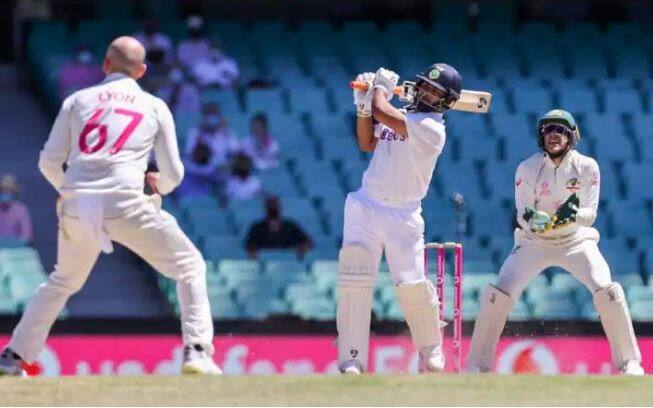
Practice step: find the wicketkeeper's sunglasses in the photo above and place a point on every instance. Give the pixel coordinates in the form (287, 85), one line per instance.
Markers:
(555, 128)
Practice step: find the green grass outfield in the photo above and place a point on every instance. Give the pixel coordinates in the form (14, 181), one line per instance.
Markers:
(329, 390)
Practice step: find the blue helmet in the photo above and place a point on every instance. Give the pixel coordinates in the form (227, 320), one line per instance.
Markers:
(443, 77)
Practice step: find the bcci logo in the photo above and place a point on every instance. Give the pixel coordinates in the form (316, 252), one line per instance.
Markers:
(434, 74)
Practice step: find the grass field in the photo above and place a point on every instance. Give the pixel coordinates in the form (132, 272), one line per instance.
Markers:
(328, 390)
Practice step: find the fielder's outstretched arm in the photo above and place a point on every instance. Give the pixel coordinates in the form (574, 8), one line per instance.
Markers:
(387, 114)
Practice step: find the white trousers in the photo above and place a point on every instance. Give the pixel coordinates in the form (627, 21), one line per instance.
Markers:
(151, 233)
(583, 260)
(399, 232)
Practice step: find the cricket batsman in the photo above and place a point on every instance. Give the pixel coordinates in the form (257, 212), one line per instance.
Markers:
(557, 196)
(385, 214)
(104, 134)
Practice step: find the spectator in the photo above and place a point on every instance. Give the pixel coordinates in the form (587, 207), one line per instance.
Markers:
(152, 38)
(15, 220)
(275, 232)
(180, 94)
(80, 73)
(209, 148)
(158, 70)
(260, 145)
(216, 70)
(242, 184)
(196, 47)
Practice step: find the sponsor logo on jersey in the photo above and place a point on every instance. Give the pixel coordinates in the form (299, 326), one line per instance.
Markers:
(573, 185)
(391, 136)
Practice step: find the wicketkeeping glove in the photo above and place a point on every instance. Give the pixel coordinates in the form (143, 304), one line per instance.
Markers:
(386, 80)
(363, 99)
(538, 221)
(566, 213)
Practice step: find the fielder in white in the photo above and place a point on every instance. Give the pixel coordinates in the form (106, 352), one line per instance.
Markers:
(104, 134)
(385, 214)
(556, 196)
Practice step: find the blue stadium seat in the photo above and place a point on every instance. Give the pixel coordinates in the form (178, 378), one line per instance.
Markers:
(611, 148)
(631, 219)
(532, 100)
(560, 310)
(600, 125)
(642, 311)
(520, 311)
(578, 100)
(639, 180)
(266, 100)
(588, 62)
(623, 101)
(500, 178)
(631, 61)
(308, 100)
(491, 219)
(222, 246)
(462, 126)
(228, 100)
(476, 147)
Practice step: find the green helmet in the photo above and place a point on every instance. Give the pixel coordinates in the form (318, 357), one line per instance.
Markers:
(561, 117)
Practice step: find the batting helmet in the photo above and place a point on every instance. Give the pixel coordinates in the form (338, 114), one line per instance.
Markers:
(442, 77)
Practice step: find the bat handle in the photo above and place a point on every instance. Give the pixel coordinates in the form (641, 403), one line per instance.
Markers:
(362, 86)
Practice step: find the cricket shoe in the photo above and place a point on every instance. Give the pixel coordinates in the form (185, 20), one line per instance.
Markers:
(198, 361)
(431, 359)
(351, 367)
(11, 364)
(632, 367)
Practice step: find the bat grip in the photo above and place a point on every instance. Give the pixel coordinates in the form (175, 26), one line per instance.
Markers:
(362, 86)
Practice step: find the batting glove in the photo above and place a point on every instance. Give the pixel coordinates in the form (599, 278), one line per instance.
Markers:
(386, 80)
(363, 99)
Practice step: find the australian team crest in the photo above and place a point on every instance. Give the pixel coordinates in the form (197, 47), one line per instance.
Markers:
(573, 185)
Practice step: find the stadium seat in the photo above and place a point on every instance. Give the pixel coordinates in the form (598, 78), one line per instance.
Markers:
(267, 100)
(308, 100)
(561, 310)
(642, 311)
(532, 100)
(623, 101)
(520, 311)
(578, 100)
(638, 179)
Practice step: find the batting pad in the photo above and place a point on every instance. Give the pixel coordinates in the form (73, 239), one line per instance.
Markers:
(355, 289)
(419, 302)
(610, 302)
(491, 319)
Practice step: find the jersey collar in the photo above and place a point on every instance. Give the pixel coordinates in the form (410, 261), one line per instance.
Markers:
(115, 77)
(570, 157)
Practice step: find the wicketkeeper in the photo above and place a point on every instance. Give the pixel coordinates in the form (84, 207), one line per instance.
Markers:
(557, 196)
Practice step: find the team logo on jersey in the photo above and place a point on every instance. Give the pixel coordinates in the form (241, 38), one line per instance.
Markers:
(573, 185)
(434, 74)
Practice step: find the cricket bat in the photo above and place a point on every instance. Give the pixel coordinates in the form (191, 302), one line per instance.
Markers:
(469, 101)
